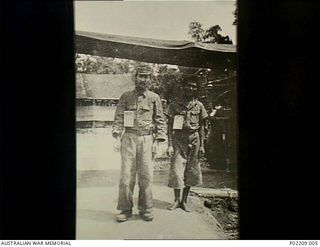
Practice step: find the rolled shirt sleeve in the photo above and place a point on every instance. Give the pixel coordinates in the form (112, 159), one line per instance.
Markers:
(203, 112)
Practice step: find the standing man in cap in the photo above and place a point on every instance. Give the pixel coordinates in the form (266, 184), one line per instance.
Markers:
(185, 141)
(138, 127)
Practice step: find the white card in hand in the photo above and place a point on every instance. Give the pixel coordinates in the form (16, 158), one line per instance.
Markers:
(128, 119)
(178, 122)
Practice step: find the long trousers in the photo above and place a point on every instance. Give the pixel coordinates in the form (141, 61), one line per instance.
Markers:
(136, 161)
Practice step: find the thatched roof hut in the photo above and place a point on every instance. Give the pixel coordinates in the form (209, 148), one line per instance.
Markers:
(102, 86)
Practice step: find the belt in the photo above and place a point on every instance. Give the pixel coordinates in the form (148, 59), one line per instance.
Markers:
(139, 132)
(187, 131)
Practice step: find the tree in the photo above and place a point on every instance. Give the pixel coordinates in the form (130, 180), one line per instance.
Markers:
(100, 65)
(167, 82)
(235, 14)
(210, 35)
(196, 31)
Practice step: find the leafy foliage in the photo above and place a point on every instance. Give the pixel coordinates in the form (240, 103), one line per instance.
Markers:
(235, 14)
(210, 35)
(196, 31)
(166, 83)
(100, 65)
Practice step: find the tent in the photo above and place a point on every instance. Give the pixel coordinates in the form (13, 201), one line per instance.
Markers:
(182, 53)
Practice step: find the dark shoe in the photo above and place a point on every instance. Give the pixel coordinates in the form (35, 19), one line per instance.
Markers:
(146, 216)
(174, 205)
(123, 216)
(184, 207)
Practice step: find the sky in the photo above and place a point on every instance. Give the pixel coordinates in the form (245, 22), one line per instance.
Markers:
(168, 20)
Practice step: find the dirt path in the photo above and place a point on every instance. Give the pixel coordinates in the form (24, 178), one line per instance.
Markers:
(97, 191)
(97, 209)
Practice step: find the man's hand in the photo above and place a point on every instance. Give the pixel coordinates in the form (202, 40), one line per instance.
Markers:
(201, 152)
(116, 144)
(170, 151)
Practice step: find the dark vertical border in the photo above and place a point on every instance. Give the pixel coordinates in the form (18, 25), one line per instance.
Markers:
(38, 168)
(277, 120)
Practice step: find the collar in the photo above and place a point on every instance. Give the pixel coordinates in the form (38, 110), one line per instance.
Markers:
(145, 93)
(187, 103)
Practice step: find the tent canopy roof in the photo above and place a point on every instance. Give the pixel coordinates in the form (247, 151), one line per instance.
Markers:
(183, 53)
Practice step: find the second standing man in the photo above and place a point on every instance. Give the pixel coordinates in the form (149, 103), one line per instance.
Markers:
(185, 141)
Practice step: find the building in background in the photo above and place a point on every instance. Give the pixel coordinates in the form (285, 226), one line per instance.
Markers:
(97, 96)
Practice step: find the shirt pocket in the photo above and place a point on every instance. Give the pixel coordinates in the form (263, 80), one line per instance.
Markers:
(145, 107)
(131, 105)
(145, 113)
(194, 116)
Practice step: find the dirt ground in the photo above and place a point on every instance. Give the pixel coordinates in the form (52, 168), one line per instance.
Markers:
(94, 147)
(224, 210)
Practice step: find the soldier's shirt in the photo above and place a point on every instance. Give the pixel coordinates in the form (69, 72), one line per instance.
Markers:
(192, 112)
(143, 112)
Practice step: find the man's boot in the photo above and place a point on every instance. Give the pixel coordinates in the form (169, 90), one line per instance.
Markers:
(176, 202)
(124, 215)
(185, 194)
(146, 216)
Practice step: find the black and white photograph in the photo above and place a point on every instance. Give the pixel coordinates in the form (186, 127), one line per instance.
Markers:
(159, 120)
(156, 120)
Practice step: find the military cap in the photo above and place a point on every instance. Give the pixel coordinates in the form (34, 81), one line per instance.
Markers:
(144, 69)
